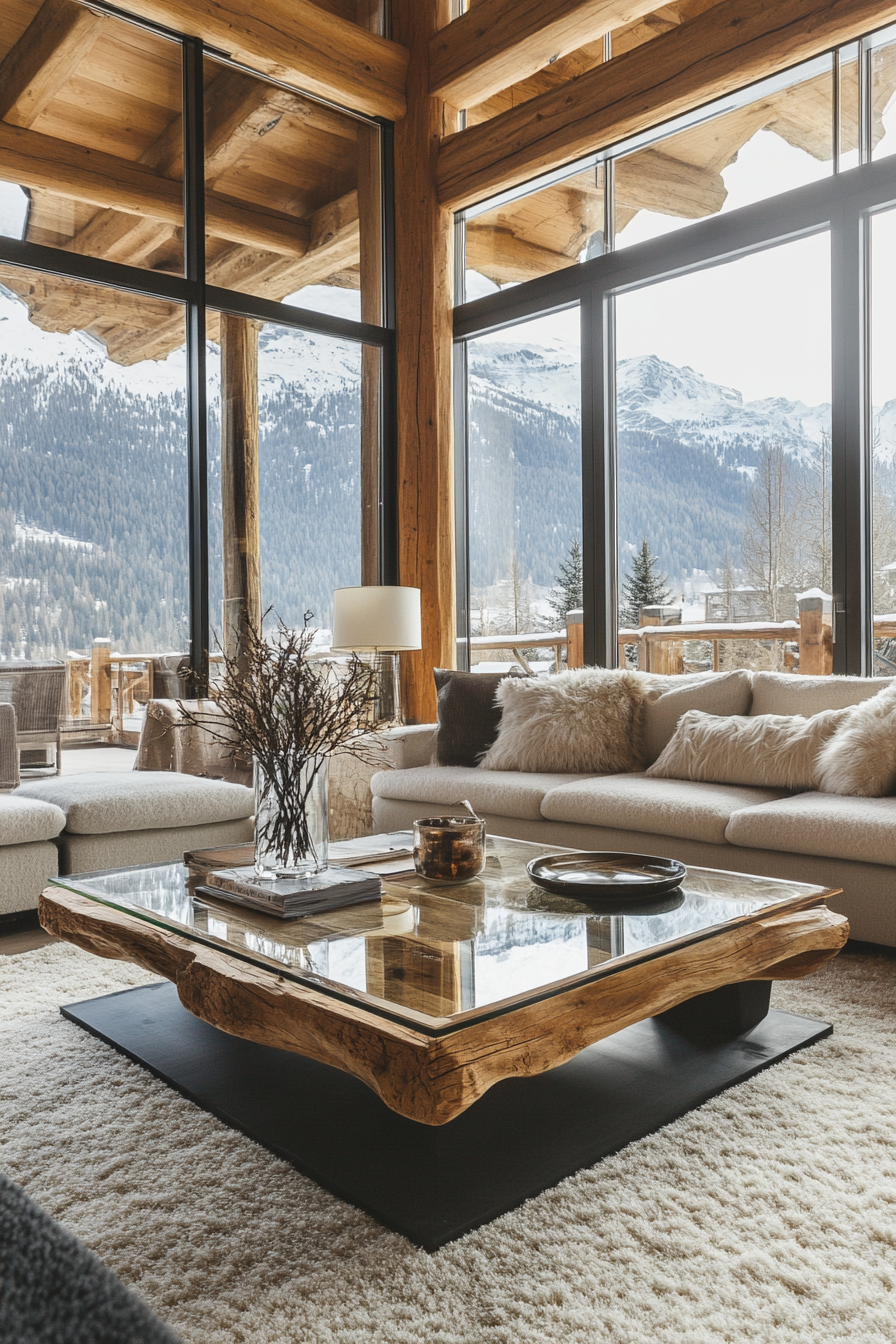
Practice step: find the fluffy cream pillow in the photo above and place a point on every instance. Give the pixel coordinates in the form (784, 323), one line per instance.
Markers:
(715, 693)
(768, 751)
(586, 721)
(861, 756)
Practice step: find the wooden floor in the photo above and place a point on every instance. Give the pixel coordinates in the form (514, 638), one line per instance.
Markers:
(24, 940)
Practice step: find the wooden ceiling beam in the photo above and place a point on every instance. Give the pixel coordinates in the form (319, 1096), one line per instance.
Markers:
(726, 48)
(44, 58)
(651, 180)
(42, 162)
(506, 259)
(497, 43)
(234, 101)
(298, 42)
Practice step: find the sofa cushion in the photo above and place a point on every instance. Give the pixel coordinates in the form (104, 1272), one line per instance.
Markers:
(146, 800)
(506, 793)
(675, 807)
(26, 820)
(469, 715)
(775, 751)
(861, 829)
(784, 693)
(724, 693)
(587, 720)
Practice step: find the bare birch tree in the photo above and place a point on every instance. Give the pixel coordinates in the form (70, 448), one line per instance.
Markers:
(771, 541)
(813, 520)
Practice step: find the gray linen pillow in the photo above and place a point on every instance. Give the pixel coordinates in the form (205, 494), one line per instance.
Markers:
(777, 751)
(468, 714)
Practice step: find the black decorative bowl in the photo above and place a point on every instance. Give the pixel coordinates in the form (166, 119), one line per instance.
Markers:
(618, 877)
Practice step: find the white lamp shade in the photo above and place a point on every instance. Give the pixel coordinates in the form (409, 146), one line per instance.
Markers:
(376, 618)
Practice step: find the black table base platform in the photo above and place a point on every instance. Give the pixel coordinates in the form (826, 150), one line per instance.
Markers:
(434, 1183)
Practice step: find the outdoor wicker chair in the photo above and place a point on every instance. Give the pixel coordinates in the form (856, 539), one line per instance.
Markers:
(36, 691)
(9, 751)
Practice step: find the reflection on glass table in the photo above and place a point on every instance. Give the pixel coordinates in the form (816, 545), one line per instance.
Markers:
(438, 956)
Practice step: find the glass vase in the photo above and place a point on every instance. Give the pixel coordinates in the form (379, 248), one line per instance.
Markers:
(291, 826)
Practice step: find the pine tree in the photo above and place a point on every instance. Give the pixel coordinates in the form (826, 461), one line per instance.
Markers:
(566, 594)
(644, 586)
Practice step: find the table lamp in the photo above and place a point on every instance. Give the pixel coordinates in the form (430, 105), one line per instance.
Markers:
(378, 623)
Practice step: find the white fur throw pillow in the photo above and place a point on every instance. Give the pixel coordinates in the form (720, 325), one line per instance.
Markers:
(586, 721)
(861, 756)
(775, 751)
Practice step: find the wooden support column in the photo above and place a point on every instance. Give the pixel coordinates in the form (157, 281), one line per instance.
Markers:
(241, 544)
(369, 223)
(423, 298)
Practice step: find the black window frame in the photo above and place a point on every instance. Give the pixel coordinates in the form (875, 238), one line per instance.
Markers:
(841, 205)
(191, 291)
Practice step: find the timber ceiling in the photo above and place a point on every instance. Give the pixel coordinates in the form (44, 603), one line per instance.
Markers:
(90, 103)
(90, 124)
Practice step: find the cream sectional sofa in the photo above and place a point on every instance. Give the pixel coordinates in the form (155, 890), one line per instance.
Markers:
(81, 823)
(833, 840)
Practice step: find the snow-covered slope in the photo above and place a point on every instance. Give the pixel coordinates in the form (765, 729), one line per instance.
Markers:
(318, 365)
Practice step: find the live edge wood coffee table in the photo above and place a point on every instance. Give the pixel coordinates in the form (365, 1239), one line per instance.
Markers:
(440, 1056)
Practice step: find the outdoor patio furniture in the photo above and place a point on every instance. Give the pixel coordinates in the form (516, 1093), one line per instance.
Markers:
(36, 692)
(9, 750)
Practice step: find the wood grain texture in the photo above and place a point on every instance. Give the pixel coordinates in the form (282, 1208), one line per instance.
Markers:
(32, 159)
(433, 1079)
(499, 42)
(726, 48)
(298, 42)
(423, 300)
(370, 256)
(45, 56)
(240, 511)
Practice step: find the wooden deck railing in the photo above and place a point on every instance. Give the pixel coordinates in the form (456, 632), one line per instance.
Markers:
(118, 682)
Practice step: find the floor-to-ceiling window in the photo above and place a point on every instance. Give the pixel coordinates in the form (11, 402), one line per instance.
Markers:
(204, 274)
(723, 459)
(733, 447)
(524, 473)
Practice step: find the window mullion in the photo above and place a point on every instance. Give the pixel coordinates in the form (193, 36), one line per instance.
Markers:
(850, 445)
(194, 261)
(598, 480)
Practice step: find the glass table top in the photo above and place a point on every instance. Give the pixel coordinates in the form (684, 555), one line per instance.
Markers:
(436, 957)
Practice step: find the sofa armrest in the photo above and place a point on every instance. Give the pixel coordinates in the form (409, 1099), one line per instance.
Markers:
(9, 749)
(410, 746)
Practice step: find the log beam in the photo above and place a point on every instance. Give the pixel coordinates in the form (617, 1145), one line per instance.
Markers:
(31, 159)
(241, 538)
(423, 298)
(499, 42)
(45, 56)
(298, 42)
(651, 180)
(719, 51)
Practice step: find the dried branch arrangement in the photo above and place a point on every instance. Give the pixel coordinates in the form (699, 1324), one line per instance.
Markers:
(290, 713)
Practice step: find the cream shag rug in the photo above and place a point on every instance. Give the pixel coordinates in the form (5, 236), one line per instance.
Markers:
(767, 1215)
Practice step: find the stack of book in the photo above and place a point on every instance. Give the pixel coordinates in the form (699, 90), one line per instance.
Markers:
(288, 898)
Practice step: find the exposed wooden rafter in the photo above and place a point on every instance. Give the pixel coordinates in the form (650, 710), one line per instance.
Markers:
(298, 42)
(723, 49)
(496, 43)
(47, 53)
(42, 162)
(241, 110)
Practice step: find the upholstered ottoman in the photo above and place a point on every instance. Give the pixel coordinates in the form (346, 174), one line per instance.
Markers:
(115, 820)
(28, 856)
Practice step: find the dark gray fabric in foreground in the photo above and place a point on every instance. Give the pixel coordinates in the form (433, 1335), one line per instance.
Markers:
(54, 1291)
